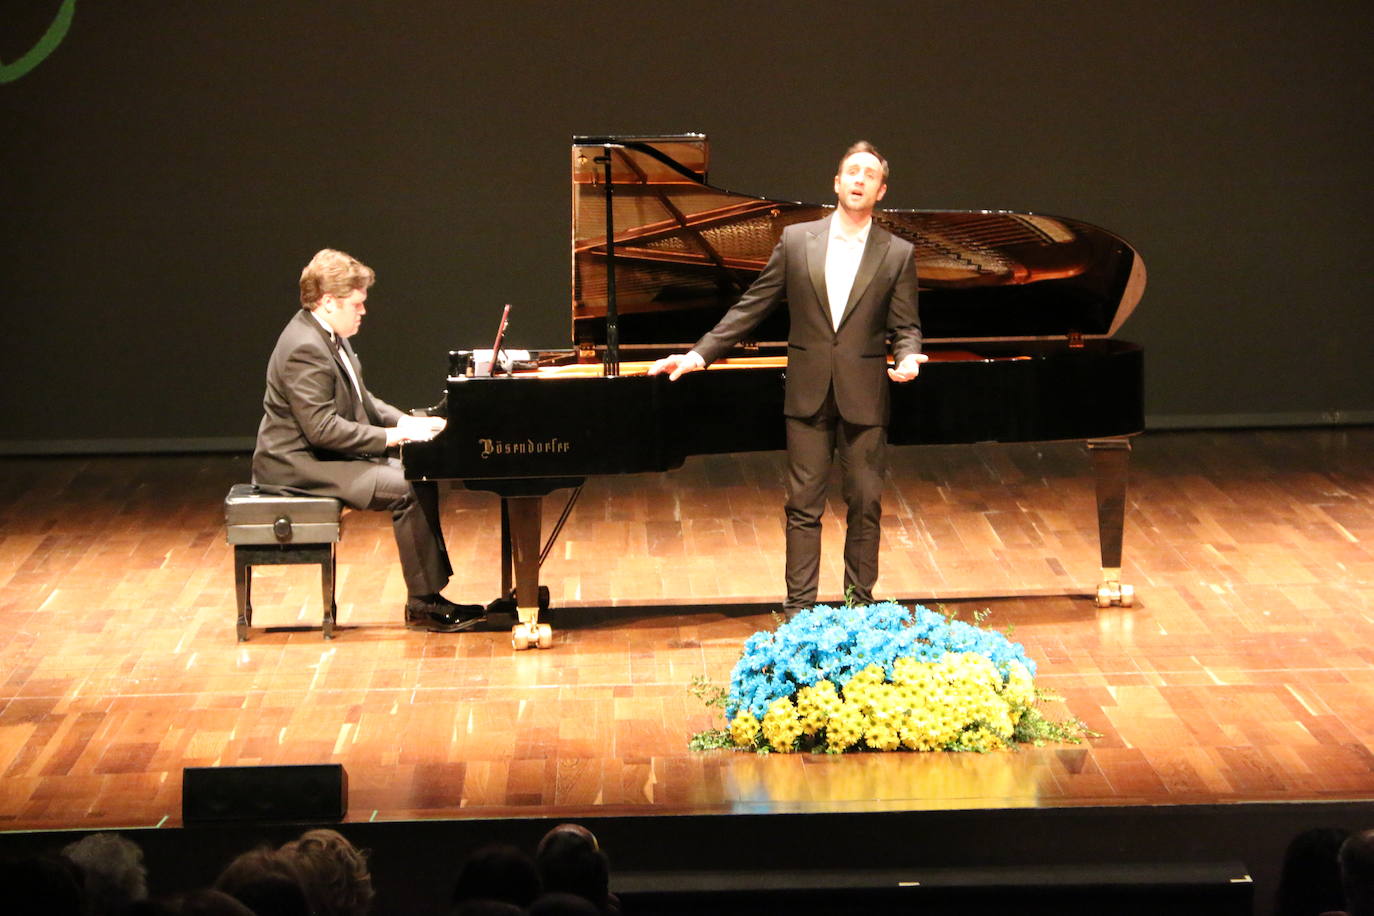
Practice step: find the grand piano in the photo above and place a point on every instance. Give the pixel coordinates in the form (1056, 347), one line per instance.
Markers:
(1018, 313)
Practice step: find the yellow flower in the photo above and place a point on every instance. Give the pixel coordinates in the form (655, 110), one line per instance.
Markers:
(881, 736)
(815, 706)
(917, 737)
(908, 671)
(1019, 691)
(744, 729)
(781, 726)
(983, 739)
(871, 674)
(845, 728)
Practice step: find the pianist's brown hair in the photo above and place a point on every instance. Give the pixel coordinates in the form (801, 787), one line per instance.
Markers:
(863, 146)
(333, 273)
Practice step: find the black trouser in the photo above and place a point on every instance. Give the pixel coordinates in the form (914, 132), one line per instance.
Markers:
(414, 507)
(812, 444)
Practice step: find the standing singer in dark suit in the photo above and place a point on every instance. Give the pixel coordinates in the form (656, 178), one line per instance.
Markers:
(323, 433)
(849, 286)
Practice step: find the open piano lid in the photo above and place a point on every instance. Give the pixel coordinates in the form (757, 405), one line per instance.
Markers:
(685, 251)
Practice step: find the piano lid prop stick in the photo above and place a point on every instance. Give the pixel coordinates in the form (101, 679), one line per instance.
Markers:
(612, 358)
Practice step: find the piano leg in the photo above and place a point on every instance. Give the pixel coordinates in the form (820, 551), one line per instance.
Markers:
(523, 516)
(507, 560)
(1111, 459)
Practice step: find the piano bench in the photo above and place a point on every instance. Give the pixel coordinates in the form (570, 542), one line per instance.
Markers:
(268, 529)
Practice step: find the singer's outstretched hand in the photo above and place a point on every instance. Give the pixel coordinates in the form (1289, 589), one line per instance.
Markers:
(677, 364)
(908, 368)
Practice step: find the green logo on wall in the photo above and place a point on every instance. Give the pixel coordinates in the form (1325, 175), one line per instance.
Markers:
(46, 45)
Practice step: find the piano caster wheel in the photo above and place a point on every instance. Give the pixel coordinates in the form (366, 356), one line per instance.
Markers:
(1114, 593)
(525, 635)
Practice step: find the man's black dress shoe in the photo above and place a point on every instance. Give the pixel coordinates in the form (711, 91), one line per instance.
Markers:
(439, 615)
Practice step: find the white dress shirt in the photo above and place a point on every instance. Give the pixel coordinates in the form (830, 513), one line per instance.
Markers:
(842, 256)
(347, 363)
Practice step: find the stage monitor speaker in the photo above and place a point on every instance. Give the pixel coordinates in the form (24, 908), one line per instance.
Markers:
(293, 794)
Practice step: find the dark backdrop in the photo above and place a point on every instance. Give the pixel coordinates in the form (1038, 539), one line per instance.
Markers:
(169, 168)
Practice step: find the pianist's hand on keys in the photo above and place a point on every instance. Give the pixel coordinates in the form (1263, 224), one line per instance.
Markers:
(414, 429)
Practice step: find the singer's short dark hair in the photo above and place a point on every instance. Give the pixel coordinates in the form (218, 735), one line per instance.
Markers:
(863, 146)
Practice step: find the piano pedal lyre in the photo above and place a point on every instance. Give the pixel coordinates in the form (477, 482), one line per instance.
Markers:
(1113, 591)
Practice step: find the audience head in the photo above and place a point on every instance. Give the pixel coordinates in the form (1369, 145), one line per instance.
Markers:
(334, 872)
(487, 908)
(153, 906)
(570, 861)
(266, 882)
(1357, 873)
(497, 872)
(560, 904)
(111, 870)
(42, 886)
(1310, 880)
(574, 834)
(212, 903)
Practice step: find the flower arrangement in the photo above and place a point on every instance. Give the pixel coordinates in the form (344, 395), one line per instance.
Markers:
(881, 678)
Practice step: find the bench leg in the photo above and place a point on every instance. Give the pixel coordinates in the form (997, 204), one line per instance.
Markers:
(246, 556)
(243, 593)
(327, 588)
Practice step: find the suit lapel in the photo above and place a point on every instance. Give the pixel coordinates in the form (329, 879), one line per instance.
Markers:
(340, 354)
(874, 252)
(329, 345)
(370, 413)
(817, 238)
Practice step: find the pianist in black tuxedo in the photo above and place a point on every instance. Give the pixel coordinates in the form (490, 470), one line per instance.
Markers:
(836, 400)
(323, 433)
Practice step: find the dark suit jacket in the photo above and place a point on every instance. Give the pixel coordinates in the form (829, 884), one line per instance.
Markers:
(316, 436)
(853, 358)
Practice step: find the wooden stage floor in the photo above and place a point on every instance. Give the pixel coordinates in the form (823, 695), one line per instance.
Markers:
(1244, 674)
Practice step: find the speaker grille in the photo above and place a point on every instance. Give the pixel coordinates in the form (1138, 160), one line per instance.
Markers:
(305, 793)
